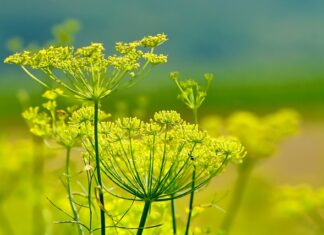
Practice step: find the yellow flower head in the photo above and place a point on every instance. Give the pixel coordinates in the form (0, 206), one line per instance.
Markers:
(86, 72)
(154, 160)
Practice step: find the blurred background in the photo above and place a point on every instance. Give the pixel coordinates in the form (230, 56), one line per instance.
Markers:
(265, 55)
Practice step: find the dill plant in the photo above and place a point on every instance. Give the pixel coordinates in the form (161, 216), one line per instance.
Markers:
(88, 75)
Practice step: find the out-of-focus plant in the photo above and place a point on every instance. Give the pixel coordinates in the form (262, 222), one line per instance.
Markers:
(213, 124)
(141, 103)
(88, 75)
(136, 109)
(15, 44)
(63, 35)
(304, 203)
(13, 162)
(55, 126)
(261, 136)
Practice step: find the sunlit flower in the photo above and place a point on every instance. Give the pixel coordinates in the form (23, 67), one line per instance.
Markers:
(154, 160)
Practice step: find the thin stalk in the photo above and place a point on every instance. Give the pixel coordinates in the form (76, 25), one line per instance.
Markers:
(174, 222)
(239, 188)
(195, 115)
(96, 143)
(69, 191)
(141, 225)
(192, 194)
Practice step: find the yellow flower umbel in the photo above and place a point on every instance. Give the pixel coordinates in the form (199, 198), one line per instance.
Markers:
(63, 127)
(154, 161)
(86, 72)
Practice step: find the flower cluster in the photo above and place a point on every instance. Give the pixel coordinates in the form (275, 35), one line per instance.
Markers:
(66, 127)
(87, 72)
(261, 136)
(154, 160)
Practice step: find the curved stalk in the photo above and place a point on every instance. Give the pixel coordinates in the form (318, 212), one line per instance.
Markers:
(141, 225)
(239, 189)
(96, 143)
(69, 191)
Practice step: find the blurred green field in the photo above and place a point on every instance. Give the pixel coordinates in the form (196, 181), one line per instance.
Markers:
(228, 93)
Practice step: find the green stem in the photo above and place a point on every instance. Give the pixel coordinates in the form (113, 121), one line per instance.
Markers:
(239, 188)
(195, 115)
(96, 143)
(192, 194)
(143, 217)
(69, 191)
(174, 221)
